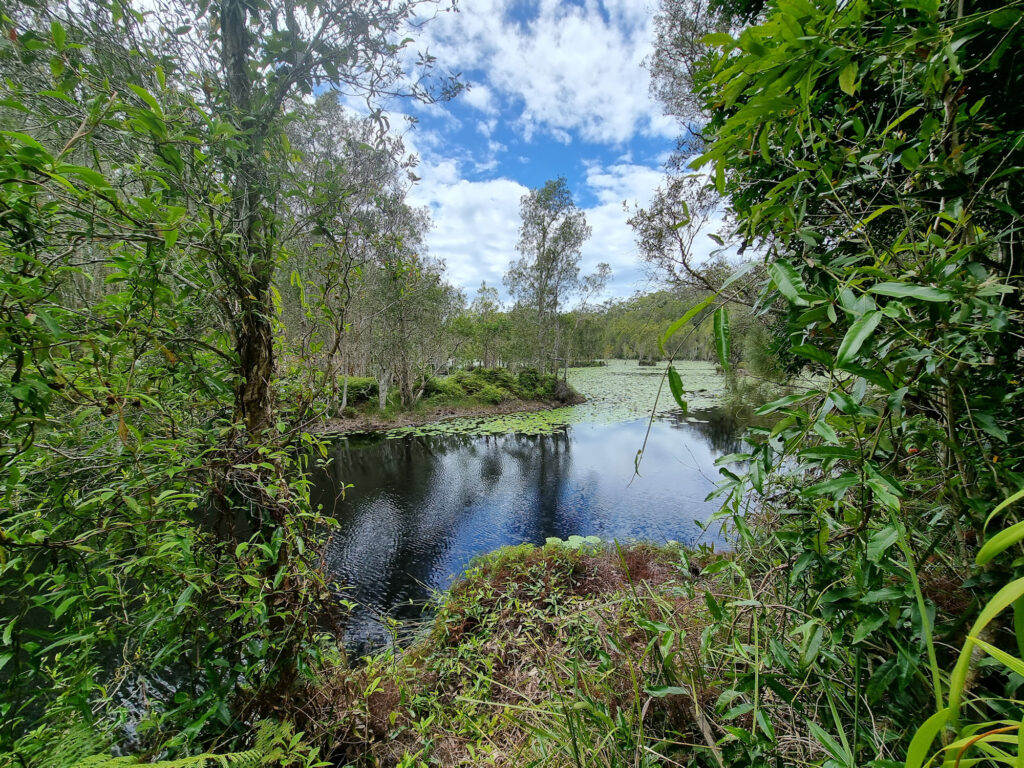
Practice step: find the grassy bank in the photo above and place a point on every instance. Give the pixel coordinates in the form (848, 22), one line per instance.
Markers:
(574, 653)
(477, 392)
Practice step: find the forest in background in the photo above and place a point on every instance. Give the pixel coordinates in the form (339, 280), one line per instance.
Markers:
(194, 253)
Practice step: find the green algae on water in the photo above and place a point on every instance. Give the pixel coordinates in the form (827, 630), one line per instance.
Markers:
(616, 392)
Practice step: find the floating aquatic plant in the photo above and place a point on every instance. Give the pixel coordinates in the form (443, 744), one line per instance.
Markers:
(619, 391)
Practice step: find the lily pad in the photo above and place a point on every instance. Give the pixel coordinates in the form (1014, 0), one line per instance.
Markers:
(618, 391)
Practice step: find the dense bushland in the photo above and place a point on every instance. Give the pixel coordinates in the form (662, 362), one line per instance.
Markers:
(871, 152)
(196, 259)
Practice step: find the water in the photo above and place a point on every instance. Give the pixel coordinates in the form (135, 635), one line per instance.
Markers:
(422, 507)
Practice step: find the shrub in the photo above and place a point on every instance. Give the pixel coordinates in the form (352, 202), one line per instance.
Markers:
(360, 388)
(499, 377)
(443, 389)
(529, 380)
(492, 395)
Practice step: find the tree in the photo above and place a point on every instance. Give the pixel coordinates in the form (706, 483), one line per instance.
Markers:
(551, 236)
(487, 324)
(867, 151)
(262, 57)
(149, 513)
(591, 286)
(350, 175)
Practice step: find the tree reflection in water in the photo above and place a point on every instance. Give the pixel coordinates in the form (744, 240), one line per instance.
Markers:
(422, 507)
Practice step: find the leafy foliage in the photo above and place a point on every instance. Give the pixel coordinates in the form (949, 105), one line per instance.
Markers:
(868, 152)
(160, 574)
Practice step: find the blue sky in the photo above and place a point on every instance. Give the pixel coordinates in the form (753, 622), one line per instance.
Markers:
(556, 89)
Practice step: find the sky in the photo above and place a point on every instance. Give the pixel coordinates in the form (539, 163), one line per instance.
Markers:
(556, 88)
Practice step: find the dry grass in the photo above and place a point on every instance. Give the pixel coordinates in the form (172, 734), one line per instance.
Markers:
(531, 638)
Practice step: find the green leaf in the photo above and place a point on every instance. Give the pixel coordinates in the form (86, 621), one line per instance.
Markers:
(1012, 499)
(996, 605)
(880, 541)
(65, 604)
(828, 452)
(59, 35)
(867, 626)
(921, 744)
(1004, 18)
(830, 744)
(1005, 538)
(719, 39)
(988, 424)
(910, 291)
(88, 175)
(1010, 662)
(722, 340)
(811, 352)
(848, 78)
(183, 599)
(675, 384)
(859, 332)
(885, 594)
(27, 140)
(788, 281)
(147, 97)
(783, 402)
(687, 317)
(661, 691)
(825, 432)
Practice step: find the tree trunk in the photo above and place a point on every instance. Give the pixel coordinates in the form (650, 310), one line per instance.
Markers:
(254, 344)
(383, 382)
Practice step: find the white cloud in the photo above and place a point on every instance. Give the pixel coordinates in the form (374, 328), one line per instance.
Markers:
(476, 223)
(486, 127)
(618, 189)
(480, 97)
(568, 68)
(623, 181)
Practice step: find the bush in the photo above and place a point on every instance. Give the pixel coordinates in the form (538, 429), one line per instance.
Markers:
(492, 395)
(564, 393)
(466, 381)
(443, 389)
(529, 381)
(499, 377)
(498, 385)
(361, 389)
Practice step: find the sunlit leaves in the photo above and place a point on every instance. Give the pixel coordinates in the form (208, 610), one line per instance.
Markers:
(885, 245)
(858, 333)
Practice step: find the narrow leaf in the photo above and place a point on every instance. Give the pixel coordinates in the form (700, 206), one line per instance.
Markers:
(723, 342)
(859, 332)
(911, 291)
(675, 384)
(921, 744)
(788, 281)
(690, 314)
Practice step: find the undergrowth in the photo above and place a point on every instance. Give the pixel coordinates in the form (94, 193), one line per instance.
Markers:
(573, 653)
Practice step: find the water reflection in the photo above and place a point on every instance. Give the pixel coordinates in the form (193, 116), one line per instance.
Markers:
(421, 507)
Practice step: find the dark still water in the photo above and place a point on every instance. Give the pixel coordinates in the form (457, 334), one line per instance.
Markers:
(422, 507)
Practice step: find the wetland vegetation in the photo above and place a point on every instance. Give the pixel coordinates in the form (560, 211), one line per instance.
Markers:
(210, 249)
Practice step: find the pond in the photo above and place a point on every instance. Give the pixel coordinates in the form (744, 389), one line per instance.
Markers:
(424, 502)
